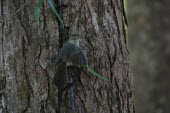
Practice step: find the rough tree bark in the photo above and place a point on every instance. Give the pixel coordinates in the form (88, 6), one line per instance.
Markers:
(27, 49)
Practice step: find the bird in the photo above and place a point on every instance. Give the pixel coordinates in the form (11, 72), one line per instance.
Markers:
(70, 54)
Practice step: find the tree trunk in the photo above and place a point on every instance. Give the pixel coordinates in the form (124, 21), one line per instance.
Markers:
(27, 49)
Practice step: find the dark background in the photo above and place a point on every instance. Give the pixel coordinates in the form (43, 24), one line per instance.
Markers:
(149, 44)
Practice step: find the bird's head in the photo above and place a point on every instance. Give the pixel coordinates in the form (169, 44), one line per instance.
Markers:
(74, 39)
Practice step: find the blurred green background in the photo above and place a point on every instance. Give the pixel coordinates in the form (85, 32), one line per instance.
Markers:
(149, 44)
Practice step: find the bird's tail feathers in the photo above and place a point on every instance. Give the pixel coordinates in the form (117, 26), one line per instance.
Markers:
(60, 75)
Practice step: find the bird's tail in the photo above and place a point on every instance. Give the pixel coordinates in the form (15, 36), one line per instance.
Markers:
(59, 80)
(63, 76)
(60, 75)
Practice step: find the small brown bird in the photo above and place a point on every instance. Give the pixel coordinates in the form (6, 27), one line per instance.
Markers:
(71, 54)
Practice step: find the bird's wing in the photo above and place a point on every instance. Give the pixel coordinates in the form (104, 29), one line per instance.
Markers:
(60, 75)
(65, 52)
(77, 58)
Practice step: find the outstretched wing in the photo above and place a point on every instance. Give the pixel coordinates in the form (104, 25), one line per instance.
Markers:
(65, 52)
(77, 58)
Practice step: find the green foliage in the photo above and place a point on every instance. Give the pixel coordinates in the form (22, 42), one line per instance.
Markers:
(55, 12)
(22, 6)
(95, 73)
(37, 10)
